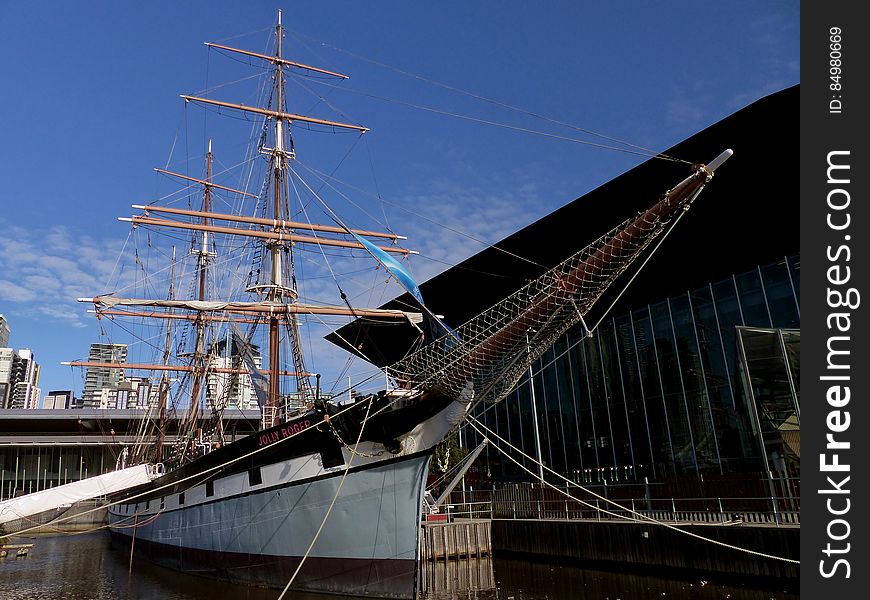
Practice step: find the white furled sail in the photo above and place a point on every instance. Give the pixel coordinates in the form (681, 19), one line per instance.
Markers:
(85, 489)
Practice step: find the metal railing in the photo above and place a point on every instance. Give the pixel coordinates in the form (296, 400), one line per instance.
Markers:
(671, 510)
(520, 504)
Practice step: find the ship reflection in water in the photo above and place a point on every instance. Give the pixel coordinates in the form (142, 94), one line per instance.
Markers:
(88, 567)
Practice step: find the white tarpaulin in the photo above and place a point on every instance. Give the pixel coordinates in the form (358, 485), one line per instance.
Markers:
(92, 487)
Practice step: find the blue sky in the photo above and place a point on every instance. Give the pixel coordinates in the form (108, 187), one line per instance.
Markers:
(90, 105)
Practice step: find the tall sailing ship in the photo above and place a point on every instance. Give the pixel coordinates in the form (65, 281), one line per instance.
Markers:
(327, 495)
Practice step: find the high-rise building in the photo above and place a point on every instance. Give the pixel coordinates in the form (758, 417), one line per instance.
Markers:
(59, 399)
(233, 390)
(132, 393)
(24, 381)
(98, 378)
(4, 331)
(7, 356)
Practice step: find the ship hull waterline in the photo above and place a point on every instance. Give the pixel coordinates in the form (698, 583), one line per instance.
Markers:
(368, 545)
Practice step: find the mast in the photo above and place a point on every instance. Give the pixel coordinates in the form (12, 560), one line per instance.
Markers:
(199, 362)
(163, 387)
(203, 252)
(274, 293)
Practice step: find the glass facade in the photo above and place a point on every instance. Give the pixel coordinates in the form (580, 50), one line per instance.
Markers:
(28, 468)
(696, 387)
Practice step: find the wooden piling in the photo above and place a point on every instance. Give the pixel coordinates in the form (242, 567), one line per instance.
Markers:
(460, 539)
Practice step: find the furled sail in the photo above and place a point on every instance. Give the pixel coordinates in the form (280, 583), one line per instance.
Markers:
(63, 495)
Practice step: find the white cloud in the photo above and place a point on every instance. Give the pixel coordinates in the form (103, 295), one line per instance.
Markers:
(42, 282)
(44, 271)
(58, 240)
(13, 292)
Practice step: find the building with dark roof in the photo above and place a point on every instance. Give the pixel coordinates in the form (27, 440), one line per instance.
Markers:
(689, 385)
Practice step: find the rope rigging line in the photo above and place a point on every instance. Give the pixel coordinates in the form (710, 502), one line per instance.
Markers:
(256, 31)
(188, 186)
(323, 176)
(332, 214)
(341, 223)
(507, 126)
(497, 102)
(315, 236)
(640, 516)
(297, 79)
(206, 91)
(377, 187)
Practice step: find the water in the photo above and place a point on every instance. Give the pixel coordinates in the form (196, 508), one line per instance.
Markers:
(89, 567)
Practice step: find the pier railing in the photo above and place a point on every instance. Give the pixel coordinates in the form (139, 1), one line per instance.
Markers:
(521, 502)
(671, 510)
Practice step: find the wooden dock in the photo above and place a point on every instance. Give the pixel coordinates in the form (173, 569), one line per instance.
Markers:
(462, 538)
(456, 557)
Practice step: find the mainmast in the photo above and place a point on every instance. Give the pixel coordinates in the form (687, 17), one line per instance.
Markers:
(199, 351)
(275, 292)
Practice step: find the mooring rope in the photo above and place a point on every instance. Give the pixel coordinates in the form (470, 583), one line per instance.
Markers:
(331, 504)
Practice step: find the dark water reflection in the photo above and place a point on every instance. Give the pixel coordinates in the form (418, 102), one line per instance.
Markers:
(88, 567)
(532, 581)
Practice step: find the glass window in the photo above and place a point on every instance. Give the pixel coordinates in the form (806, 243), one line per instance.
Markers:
(657, 418)
(794, 269)
(567, 422)
(599, 409)
(733, 433)
(695, 386)
(752, 301)
(588, 437)
(633, 397)
(575, 445)
(729, 317)
(780, 295)
(616, 411)
(548, 413)
(767, 382)
(672, 387)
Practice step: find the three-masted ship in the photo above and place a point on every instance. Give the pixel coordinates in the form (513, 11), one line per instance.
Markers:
(326, 496)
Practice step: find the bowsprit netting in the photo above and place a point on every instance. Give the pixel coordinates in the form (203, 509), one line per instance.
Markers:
(491, 351)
